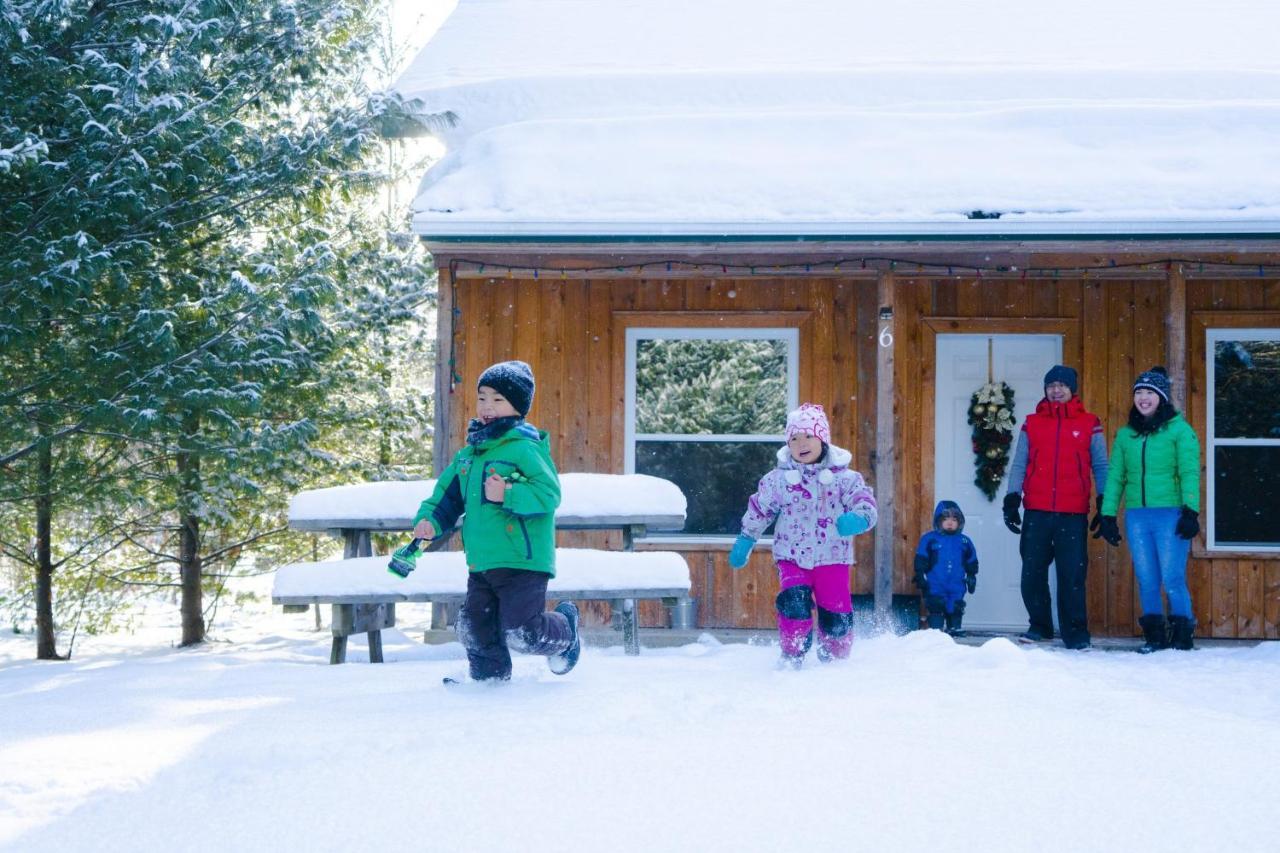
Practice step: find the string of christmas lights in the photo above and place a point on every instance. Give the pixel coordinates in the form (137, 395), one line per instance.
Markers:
(875, 263)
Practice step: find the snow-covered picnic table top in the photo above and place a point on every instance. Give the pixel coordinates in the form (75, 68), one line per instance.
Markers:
(587, 500)
(442, 574)
(666, 117)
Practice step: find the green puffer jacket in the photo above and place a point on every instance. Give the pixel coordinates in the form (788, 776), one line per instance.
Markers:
(519, 532)
(1159, 469)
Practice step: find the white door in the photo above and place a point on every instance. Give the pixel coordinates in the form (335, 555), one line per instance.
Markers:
(964, 363)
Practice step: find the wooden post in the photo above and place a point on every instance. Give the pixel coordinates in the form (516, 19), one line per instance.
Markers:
(1175, 335)
(444, 370)
(886, 449)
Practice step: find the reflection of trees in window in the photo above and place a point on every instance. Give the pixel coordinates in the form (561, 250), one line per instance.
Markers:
(1246, 388)
(1244, 440)
(710, 387)
(709, 415)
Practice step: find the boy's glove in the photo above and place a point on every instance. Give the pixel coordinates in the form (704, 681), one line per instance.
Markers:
(741, 551)
(921, 580)
(1012, 519)
(851, 524)
(1108, 530)
(1188, 524)
(405, 559)
(971, 581)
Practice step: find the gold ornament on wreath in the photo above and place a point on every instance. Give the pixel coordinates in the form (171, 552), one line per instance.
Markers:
(991, 416)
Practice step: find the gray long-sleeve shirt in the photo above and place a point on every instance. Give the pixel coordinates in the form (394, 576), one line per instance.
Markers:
(1021, 452)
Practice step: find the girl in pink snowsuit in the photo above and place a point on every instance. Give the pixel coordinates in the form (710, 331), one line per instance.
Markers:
(819, 504)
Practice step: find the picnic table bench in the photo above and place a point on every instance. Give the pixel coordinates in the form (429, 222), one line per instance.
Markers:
(363, 594)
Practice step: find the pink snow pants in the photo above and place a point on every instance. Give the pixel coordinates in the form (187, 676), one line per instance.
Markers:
(830, 586)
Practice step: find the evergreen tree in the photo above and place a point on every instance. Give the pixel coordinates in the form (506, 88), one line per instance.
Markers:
(173, 179)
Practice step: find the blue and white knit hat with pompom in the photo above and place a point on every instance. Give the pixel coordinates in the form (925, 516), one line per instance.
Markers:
(1156, 379)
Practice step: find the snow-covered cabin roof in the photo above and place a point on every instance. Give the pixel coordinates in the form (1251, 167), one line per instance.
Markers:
(851, 117)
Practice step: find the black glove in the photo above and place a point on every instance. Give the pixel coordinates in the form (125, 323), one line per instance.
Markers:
(1188, 523)
(1097, 519)
(921, 580)
(971, 581)
(1108, 530)
(1012, 519)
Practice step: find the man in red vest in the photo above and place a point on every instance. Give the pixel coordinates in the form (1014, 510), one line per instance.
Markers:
(1060, 445)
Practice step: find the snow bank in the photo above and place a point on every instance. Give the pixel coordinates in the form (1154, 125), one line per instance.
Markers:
(914, 744)
(445, 573)
(729, 116)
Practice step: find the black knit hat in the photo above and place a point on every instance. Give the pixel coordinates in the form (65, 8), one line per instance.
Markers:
(513, 380)
(1062, 373)
(1155, 379)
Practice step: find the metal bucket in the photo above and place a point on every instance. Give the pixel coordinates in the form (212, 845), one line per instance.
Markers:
(684, 614)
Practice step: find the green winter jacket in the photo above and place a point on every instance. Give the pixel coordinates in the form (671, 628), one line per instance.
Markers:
(519, 532)
(1160, 469)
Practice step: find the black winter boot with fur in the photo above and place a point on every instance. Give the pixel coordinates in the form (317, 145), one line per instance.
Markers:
(1155, 630)
(1183, 630)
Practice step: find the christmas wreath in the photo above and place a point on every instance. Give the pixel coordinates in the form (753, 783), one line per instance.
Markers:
(991, 416)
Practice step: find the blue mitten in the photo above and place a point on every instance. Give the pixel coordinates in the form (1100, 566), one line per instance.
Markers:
(741, 551)
(851, 524)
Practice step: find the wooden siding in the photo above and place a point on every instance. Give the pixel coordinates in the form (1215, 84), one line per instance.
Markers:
(571, 331)
(1234, 595)
(569, 328)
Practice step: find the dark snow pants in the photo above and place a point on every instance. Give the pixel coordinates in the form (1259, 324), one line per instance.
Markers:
(506, 609)
(1058, 538)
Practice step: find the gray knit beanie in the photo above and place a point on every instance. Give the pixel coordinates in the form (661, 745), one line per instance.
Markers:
(513, 380)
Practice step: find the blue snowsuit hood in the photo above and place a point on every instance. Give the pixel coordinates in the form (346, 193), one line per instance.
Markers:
(942, 507)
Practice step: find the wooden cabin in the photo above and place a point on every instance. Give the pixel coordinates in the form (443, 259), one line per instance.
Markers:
(892, 258)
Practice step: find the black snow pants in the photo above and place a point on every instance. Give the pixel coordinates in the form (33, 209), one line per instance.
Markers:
(1058, 538)
(506, 609)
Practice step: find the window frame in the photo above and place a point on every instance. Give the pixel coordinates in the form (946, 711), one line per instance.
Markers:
(1214, 333)
(634, 334)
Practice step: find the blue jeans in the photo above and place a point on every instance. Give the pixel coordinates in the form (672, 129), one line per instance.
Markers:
(1159, 556)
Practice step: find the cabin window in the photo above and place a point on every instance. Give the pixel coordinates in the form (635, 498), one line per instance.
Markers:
(706, 408)
(1243, 442)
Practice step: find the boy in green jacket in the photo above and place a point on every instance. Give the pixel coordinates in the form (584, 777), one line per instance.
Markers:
(504, 486)
(1155, 467)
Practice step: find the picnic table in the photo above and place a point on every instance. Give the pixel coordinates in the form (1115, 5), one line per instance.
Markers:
(363, 594)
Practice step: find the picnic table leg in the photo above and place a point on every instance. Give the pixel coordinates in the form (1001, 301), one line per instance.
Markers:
(375, 647)
(340, 620)
(630, 627)
(338, 651)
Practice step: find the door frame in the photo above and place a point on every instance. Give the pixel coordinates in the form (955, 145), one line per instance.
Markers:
(1067, 327)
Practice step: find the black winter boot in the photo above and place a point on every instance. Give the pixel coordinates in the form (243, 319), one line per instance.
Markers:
(954, 621)
(1155, 631)
(566, 660)
(1183, 631)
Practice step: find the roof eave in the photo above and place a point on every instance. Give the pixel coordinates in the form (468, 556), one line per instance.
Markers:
(436, 229)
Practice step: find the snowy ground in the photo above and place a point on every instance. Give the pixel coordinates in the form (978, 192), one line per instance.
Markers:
(916, 743)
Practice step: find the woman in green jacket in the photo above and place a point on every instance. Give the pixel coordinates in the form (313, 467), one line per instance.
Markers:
(1155, 467)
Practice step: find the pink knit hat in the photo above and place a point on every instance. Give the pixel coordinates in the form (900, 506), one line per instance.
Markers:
(810, 419)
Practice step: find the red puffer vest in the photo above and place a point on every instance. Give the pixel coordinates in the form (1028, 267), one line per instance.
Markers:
(1059, 476)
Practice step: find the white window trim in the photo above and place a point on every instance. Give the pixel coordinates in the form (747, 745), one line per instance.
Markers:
(635, 334)
(1212, 336)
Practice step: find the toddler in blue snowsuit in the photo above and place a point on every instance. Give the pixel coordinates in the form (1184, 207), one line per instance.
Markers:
(946, 565)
